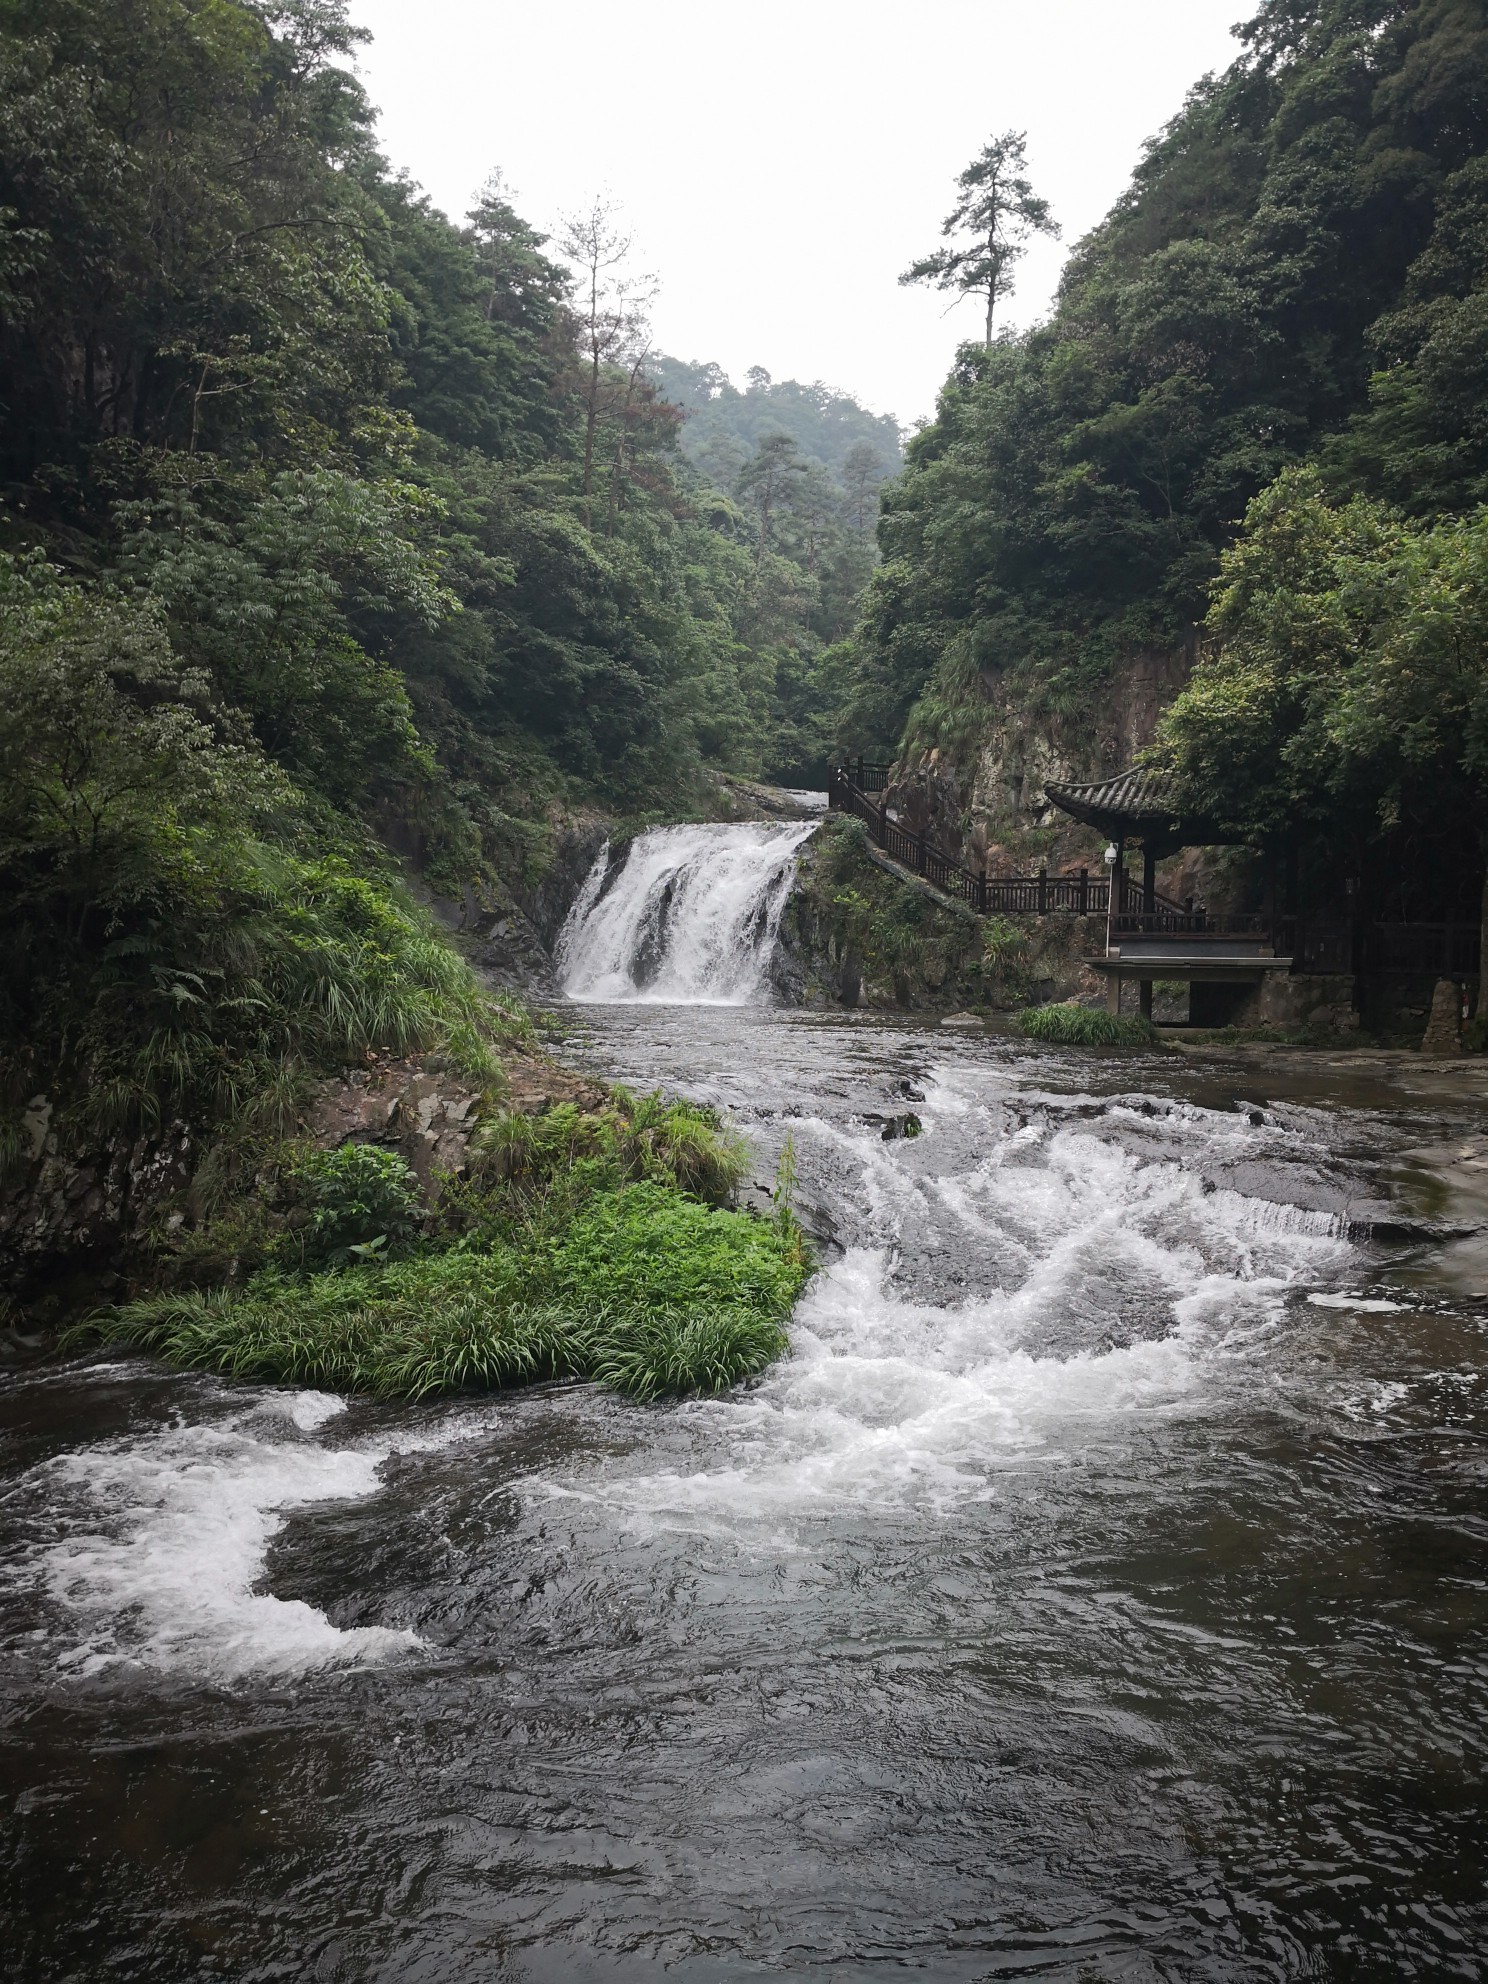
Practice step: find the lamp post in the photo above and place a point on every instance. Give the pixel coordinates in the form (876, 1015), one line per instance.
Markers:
(1112, 858)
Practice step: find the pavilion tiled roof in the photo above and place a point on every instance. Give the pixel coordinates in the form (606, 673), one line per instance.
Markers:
(1137, 796)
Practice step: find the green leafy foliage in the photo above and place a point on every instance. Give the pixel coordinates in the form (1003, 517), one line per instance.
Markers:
(726, 424)
(529, 1176)
(361, 1200)
(799, 471)
(187, 933)
(316, 536)
(1348, 686)
(1297, 269)
(345, 451)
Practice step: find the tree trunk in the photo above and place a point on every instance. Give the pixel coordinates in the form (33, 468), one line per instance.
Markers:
(591, 417)
(1479, 1007)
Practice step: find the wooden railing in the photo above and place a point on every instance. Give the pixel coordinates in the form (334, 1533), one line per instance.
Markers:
(1199, 924)
(867, 774)
(989, 895)
(1436, 950)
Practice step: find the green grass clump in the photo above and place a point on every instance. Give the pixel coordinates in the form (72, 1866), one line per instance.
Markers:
(531, 1175)
(646, 1248)
(1085, 1026)
(647, 1292)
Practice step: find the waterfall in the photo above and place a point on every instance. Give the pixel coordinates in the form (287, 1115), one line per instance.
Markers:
(688, 918)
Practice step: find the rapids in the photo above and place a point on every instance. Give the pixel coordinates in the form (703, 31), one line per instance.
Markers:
(1096, 1591)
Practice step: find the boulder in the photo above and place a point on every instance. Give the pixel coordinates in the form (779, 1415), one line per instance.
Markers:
(1443, 1036)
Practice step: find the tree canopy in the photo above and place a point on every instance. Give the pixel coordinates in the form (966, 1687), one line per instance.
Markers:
(329, 524)
(1296, 273)
(988, 228)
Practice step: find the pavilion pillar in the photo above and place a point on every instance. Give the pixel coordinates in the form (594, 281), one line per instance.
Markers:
(1113, 993)
(1149, 879)
(1144, 988)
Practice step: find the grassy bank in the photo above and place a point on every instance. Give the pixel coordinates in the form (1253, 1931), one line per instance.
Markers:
(648, 1292)
(581, 1243)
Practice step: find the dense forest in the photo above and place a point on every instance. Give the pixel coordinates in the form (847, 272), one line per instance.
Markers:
(805, 467)
(330, 525)
(1260, 409)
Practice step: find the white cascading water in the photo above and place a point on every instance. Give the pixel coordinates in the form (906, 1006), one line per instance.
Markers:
(1099, 1283)
(690, 918)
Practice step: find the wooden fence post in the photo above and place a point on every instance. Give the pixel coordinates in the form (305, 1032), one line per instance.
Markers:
(1084, 891)
(1043, 892)
(982, 894)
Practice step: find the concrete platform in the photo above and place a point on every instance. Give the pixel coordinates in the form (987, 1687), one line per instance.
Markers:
(1231, 966)
(1146, 963)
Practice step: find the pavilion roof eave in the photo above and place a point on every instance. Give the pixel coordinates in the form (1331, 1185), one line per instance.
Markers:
(1139, 804)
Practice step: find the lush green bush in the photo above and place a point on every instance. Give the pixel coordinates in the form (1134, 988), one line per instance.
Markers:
(360, 1198)
(529, 1175)
(647, 1292)
(646, 1247)
(1085, 1026)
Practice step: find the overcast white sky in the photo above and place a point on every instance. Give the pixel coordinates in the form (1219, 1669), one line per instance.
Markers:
(781, 161)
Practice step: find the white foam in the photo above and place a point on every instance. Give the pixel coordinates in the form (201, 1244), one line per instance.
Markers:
(1128, 1292)
(1363, 1305)
(168, 1536)
(690, 919)
(307, 1410)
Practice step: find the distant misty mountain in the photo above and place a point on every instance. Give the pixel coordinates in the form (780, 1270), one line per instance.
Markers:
(725, 426)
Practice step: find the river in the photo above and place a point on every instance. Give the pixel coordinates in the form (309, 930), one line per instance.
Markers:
(1096, 1592)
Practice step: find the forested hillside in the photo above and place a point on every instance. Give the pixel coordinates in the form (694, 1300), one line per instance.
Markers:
(805, 467)
(1298, 273)
(832, 432)
(328, 524)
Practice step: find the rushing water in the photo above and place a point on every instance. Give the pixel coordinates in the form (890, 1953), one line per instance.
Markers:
(690, 914)
(1097, 1590)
